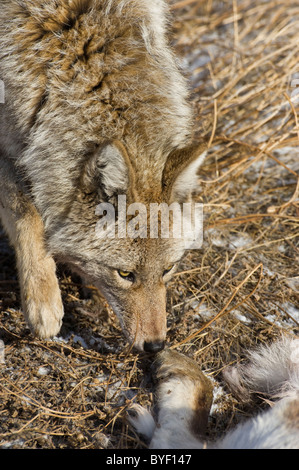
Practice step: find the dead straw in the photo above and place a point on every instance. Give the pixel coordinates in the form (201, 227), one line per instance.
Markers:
(240, 289)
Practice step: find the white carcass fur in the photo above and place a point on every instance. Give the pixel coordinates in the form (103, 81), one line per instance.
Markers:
(185, 396)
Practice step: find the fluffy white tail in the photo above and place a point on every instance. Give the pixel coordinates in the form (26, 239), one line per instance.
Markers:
(272, 370)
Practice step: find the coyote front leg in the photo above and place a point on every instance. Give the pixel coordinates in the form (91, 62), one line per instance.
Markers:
(40, 293)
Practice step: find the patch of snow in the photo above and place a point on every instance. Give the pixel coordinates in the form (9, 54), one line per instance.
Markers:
(242, 318)
(43, 370)
(218, 395)
(239, 241)
(80, 340)
(60, 339)
(268, 272)
(273, 319)
(215, 238)
(291, 310)
(293, 283)
(202, 310)
(7, 445)
(233, 242)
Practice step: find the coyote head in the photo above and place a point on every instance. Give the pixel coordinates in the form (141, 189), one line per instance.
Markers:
(128, 259)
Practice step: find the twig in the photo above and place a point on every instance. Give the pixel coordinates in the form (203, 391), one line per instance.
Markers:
(182, 4)
(58, 414)
(214, 124)
(244, 219)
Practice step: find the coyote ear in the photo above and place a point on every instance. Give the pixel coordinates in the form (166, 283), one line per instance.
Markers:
(179, 178)
(108, 171)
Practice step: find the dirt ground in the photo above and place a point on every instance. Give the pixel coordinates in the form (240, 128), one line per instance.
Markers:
(239, 290)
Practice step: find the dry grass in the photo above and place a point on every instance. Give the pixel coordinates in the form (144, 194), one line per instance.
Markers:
(239, 290)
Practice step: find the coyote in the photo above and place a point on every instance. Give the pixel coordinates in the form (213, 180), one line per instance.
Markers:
(185, 396)
(95, 107)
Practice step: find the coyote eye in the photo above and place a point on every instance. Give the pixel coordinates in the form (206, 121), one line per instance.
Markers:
(167, 270)
(129, 276)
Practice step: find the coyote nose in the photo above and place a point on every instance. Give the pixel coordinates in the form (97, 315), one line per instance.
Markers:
(153, 346)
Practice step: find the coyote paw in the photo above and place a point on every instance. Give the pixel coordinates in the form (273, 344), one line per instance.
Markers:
(45, 319)
(42, 302)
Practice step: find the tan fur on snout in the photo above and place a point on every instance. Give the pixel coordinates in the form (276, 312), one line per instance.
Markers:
(146, 317)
